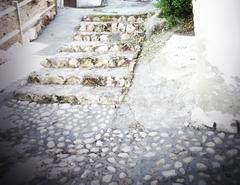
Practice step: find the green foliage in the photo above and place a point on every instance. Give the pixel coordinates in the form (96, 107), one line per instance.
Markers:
(175, 9)
(105, 18)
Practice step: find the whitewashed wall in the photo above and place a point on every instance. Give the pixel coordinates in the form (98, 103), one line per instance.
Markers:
(217, 27)
(89, 3)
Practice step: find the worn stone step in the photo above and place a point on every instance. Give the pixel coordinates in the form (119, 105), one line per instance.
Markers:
(115, 77)
(125, 27)
(109, 36)
(100, 47)
(116, 18)
(90, 60)
(73, 94)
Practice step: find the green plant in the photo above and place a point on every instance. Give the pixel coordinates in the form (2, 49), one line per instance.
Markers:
(173, 10)
(105, 18)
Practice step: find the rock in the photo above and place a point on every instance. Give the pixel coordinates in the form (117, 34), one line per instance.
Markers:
(99, 143)
(169, 173)
(87, 135)
(63, 180)
(187, 160)
(178, 165)
(94, 150)
(98, 136)
(196, 149)
(31, 34)
(164, 135)
(85, 173)
(152, 134)
(221, 135)
(217, 140)
(114, 149)
(105, 149)
(76, 169)
(83, 151)
(122, 175)
(204, 139)
(155, 182)
(219, 158)
(73, 63)
(111, 169)
(50, 144)
(182, 171)
(126, 149)
(201, 166)
(125, 36)
(147, 177)
(123, 155)
(107, 178)
(89, 141)
(93, 155)
(159, 162)
(210, 133)
(210, 144)
(130, 28)
(150, 154)
(98, 165)
(95, 182)
(102, 49)
(142, 134)
(210, 150)
(111, 160)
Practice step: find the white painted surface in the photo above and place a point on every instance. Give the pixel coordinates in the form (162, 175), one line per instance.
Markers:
(217, 26)
(88, 3)
(217, 29)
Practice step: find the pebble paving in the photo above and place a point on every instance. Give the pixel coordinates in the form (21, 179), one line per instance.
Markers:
(78, 145)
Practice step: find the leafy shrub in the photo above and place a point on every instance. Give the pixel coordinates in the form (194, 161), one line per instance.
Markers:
(175, 9)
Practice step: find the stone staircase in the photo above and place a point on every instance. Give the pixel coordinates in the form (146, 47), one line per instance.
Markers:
(97, 67)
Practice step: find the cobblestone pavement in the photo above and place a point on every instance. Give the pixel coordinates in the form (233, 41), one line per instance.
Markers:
(77, 145)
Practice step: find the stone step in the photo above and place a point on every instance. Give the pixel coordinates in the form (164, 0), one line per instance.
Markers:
(73, 94)
(90, 60)
(110, 27)
(100, 47)
(116, 18)
(109, 36)
(115, 77)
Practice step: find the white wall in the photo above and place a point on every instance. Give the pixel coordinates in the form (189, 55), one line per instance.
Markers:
(89, 3)
(60, 3)
(217, 27)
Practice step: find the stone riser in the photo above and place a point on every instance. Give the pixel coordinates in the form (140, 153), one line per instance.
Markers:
(106, 37)
(116, 18)
(93, 80)
(101, 48)
(75, 100)
(87, 62)
(110, 27)
(73, 94)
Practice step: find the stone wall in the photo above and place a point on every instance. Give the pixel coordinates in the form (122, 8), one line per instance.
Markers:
(9, 23)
